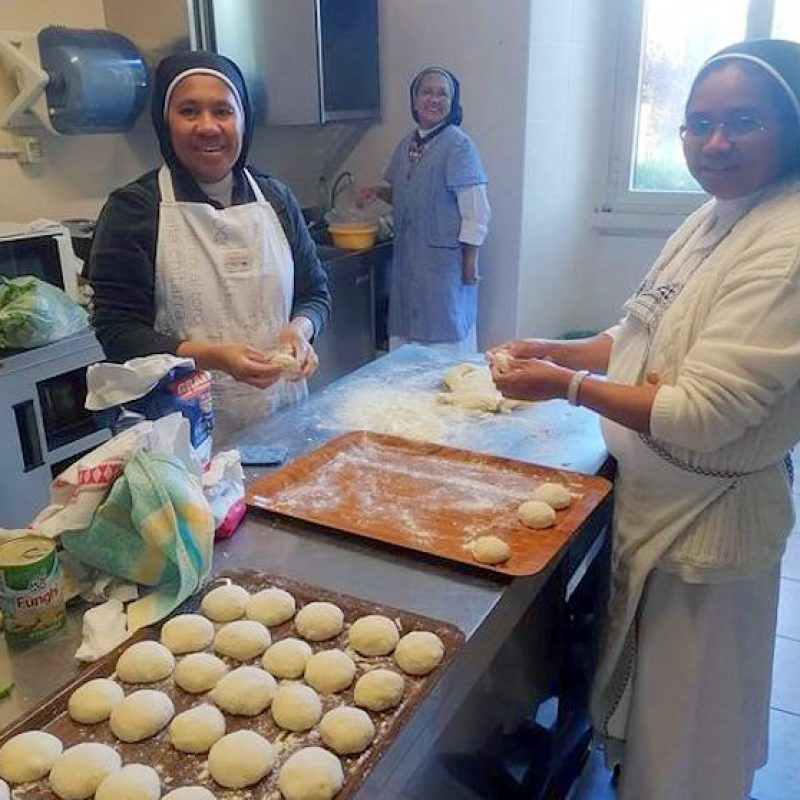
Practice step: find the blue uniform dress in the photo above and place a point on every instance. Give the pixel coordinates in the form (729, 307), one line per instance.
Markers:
(428, 301)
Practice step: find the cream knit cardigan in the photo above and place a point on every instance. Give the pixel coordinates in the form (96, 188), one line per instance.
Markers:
(728, 354)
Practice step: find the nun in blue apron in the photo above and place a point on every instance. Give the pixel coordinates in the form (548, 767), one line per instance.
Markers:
(441, 217)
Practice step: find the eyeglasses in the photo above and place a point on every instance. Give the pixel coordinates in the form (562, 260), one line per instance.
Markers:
(735, 128)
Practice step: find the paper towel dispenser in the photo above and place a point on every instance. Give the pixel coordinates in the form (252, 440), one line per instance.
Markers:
(74, 81)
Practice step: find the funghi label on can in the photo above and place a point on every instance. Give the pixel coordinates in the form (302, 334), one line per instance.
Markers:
(30, 589)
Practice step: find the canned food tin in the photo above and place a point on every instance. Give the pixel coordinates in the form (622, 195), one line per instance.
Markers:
(30, 589)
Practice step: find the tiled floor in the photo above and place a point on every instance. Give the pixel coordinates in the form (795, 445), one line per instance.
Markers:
(778, 779)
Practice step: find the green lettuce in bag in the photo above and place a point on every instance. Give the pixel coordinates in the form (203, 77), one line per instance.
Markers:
(34, 313)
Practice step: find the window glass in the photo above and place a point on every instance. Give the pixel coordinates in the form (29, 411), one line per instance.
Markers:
(678, 35)
(786, 22)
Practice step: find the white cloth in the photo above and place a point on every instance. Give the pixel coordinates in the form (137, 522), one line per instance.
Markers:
(226, 276)
(473, 207)
(698, 723)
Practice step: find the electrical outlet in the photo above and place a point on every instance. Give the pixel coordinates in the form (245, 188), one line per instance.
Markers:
(30, 150)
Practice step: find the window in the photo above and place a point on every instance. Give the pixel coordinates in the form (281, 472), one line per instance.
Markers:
(663, 44)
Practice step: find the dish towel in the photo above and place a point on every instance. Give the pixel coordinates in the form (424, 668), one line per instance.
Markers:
(154, 528)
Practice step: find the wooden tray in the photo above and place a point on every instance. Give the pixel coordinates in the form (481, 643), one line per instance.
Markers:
(182, 769)
(426, 497)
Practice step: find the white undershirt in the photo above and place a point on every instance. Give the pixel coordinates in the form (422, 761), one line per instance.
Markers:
(221, 191)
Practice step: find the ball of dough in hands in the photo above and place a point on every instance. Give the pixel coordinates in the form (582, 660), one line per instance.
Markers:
(312, 773)
(79, 770)
(242, 640)
(296, 707)
(199, 672)
(141, 715)
(240, 759)
(536, 514)
(347, 730)
(330, 671)
(287, 658)
(379, 689)
(555, 495)
(187, 633)
(245, 691)
(374, 635)
(197, 729)
(190, 793)
(132, 782)
(225, 603)
(319, 621)
(290, 366)
(29, 756)
(271, 607)
(94, 701)
(419, 652)
(490, 550)
(145, 662)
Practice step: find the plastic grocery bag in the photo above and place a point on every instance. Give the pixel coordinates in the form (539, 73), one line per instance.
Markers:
(34, 313)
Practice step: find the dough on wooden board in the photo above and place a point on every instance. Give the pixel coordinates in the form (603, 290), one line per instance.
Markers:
(319, 621)
(330, 671)
(187, 633)
(555, 495)
(536, 514)
(271, 606)
(94, 701)
(225, 603)
(347, 730)
(312, 773)
(245, 691)
(287, 658)
(373, 635)
(145, 662)
(296, 707)
(490, 550)
(29, 756)
(141, 715)
(132, 782)
(199, 672)
(243, 639)
(197, 729)
(379, 689)
(240, 759)
(419, 652)
(80, 769)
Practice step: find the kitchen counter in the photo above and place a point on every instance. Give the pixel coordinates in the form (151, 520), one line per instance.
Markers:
(516, 651)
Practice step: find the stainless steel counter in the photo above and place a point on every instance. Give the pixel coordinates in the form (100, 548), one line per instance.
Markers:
(488, 610)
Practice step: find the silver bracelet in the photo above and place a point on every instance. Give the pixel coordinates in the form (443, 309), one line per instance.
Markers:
(575, 386)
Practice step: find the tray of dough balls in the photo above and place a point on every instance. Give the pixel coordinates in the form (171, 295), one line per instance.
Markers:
(270, 690)
(497, 514)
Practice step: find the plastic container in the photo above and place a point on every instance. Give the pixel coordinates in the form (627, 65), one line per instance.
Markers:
(353, 235)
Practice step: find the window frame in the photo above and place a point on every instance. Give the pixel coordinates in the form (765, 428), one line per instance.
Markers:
(620, 200)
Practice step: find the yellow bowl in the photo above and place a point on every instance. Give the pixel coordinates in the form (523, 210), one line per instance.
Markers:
(353, 235)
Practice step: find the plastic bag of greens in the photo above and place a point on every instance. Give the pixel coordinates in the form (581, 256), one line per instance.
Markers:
(34, 313)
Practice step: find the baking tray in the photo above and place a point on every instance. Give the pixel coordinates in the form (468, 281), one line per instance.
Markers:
(181, 769)
(426, 497)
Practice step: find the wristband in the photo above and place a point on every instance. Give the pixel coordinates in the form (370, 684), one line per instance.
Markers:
(575, 386)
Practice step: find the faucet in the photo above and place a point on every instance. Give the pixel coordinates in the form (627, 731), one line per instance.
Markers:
(336, 185)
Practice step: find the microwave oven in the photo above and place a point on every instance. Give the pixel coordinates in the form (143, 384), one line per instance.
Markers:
(44, 251)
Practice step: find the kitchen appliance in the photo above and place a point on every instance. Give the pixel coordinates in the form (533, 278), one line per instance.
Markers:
(42, 250)
(306, 62)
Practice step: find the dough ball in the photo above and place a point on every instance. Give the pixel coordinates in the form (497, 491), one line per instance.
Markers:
(94, 701)
(190, 793)
(454, 375)
(196, 730)
(145, 662)
(374, 635)
(501, 361)
(287, 658)
(379, 689)
(242, 640)
(419, 652)
(187, 633)
(296, 707)
(347, 730)
(81, 769)
(290, 366)
(245, 691)
(240, 759)
(271, 607)
(554, 494)
(490, 550)
(536, 514)
(140, 715)
(29, 756)
(225, 603)
(312, 773)
(330, 671)
(132, 782)
(199, 672)
(319, 621)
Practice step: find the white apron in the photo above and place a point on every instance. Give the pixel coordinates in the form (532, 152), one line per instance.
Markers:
(226, 275)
